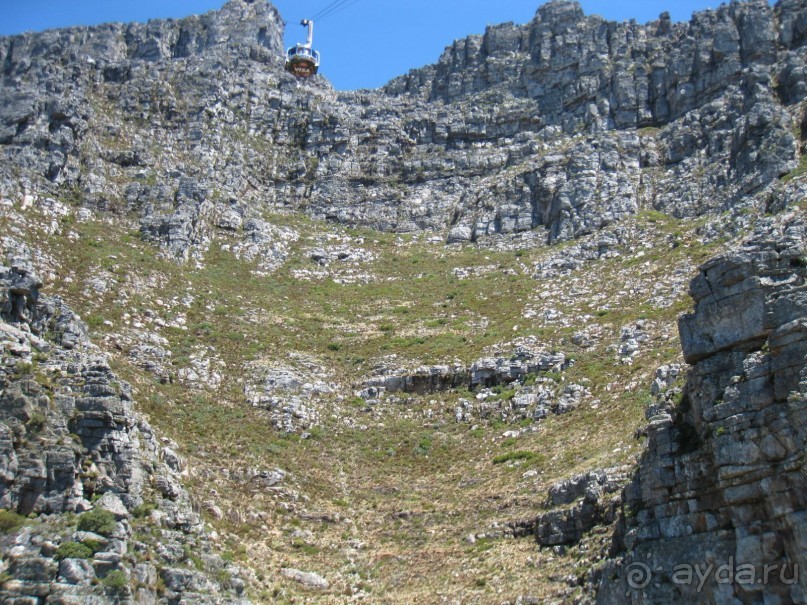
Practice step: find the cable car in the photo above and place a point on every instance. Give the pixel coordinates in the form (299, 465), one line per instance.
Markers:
(301, 59)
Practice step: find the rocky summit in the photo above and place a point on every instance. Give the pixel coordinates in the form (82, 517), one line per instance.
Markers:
(528, 325)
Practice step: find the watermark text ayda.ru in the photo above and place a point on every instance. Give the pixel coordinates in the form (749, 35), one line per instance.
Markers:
(640, 575)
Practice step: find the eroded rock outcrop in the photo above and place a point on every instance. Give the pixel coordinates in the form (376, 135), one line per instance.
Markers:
(722, 484)
(564, 125)
(71, 442)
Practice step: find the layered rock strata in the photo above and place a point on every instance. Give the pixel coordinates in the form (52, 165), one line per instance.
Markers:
(716, 511)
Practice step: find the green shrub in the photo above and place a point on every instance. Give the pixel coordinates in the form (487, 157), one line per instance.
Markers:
(23, 368)
(98, 521)
(507, 394)
(37, 421)
(307, 549)
(9, 521)
(144, 510)
(73, 550)
(95, 321)
(93, 545)
(116, 581)
(424, 446)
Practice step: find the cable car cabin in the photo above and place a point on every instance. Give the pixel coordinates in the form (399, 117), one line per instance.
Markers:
(301, 59)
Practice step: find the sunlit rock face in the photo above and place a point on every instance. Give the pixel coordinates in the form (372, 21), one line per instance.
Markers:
(563, 128)
(721, 484)
(564, 125)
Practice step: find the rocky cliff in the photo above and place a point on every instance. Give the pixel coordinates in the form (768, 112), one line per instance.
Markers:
(722, 482)
(362, 325)
(564, 125)
(71, 442)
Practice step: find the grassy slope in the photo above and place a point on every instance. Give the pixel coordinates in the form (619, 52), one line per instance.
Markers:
(407, 482)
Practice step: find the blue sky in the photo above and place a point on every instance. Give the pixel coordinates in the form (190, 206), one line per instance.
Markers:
(363, 45)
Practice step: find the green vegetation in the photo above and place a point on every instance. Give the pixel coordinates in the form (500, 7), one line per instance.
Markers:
(73, 550)
(410, 478)
(97, 521)
(36, 422)
(9, 521)
(144, 510)
(520, 455)
(800, 170)
(424, 446)
(23, 368)
(116, 582)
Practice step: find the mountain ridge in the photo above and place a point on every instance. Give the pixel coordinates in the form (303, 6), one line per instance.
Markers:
(388, 334)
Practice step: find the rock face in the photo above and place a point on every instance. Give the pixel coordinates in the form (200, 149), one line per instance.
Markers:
(526, 91)
(564, 125)
(560, 127)
(592, 502)
(69, 436)
(485, 372)
(722, 484)
(88, 409)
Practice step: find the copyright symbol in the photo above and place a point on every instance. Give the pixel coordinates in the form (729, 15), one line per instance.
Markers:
(639, 576)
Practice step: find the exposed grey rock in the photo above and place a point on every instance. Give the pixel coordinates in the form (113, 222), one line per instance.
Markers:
(204, 370)
(63, 444)
(76, 571)
(631, 339)
(423, 379)
(145, 574)
(289, 391)
(172, 459)
(722, 479)
(485, 372)
(593, 500)
(309, 579)
(112, 503)
(546, 132)
(665, 377)
(576, 505)
(22, 292)
(153, 358)
(460, 233)
(530, 127)
(607, 481)
(570, 399)
(265, 243)
(270, 478)
(168, 486)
